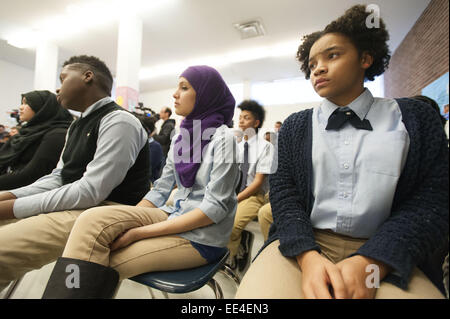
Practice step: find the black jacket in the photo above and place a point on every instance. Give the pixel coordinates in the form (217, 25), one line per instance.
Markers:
(164, 137)
(38, 160)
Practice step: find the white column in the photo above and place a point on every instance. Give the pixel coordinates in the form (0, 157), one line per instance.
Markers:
(46, 66)
(247, 90)
(129, 61)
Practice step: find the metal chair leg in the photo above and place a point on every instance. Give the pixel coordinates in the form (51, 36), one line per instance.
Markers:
(216, 288)
(151, 292)
(230, 274)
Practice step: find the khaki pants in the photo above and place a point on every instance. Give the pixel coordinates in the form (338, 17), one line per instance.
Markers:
(96, 228)
(246, 211)
(265, 220)
(30, 243)
(284, 279)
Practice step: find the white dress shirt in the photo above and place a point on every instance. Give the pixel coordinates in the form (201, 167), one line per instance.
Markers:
(260, 157)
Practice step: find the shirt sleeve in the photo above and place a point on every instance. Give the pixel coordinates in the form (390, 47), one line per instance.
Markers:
(265, 160)
(220, 192)
(120, 139)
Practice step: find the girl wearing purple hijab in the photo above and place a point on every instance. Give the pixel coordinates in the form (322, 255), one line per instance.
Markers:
(116, 242)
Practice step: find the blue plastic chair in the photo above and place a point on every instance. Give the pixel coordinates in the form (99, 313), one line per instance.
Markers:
(187, 280)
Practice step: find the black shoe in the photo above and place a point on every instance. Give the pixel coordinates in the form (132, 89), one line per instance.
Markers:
(79, 279)
(245, 255)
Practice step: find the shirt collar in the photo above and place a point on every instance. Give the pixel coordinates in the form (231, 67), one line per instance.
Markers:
(361, 105)
(96, 106)
(251, 140)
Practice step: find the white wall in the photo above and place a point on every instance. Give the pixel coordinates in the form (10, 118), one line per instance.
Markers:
(281, 112)
(14, 80)
(157, 100)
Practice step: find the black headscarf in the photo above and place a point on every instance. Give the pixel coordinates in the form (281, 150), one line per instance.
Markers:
(49, 114)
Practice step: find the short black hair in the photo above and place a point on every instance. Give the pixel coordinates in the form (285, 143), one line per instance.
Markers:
(353, 25)
(97, 66)
(148, 122)
(255, 108)
(168, 110)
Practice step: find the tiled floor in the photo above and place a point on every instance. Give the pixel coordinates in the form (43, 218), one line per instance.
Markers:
(33, 283)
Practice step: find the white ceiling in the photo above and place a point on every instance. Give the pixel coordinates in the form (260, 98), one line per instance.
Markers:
(189, 29)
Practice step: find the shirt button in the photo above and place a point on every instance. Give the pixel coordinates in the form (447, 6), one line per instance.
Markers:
(345, 195)
(346, 166)
(346, 142)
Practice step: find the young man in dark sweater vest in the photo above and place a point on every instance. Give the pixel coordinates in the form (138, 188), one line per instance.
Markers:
(360, 197)
(105, 160)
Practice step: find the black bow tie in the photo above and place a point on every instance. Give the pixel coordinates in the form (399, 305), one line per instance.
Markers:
(339, 118)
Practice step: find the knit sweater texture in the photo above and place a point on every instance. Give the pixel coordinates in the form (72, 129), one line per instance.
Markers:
(418, 223)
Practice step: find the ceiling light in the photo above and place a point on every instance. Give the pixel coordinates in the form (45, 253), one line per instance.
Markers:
(250, 29)
(80, 18)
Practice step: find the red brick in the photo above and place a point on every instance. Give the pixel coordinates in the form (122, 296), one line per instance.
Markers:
(423, 55)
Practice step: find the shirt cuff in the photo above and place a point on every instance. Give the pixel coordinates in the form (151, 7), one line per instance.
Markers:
(156, 198)
(25, 207)
(211, 211)
(19, 192)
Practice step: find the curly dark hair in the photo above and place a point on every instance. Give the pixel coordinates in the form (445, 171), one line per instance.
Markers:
(353, 25)
(255, 108)
(97, 66)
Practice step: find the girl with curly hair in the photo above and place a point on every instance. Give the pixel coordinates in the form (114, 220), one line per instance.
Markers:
(360, 197)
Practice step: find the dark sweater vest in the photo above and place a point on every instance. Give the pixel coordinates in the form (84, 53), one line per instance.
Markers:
(80, 149)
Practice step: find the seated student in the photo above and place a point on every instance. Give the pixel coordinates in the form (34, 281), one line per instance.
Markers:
(265, 219)
(2, 131)
(255, 156)
(123, 241)
(155, 149)
(165, 133)
(433, 104)
(361, 190)
(432, 267)
(105, 158)
(5, 138)
(14, 130)
(35, 151)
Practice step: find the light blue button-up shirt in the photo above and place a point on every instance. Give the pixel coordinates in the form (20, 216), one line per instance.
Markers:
(355, 172)
(213, 192)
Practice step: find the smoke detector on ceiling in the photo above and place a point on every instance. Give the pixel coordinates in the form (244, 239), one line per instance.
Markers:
(250, 29)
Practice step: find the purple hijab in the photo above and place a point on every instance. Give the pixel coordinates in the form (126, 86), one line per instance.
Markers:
(214, 106)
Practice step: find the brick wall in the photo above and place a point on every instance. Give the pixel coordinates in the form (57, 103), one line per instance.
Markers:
(423, 56)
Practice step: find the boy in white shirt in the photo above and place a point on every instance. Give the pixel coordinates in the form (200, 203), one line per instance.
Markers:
(256, 157)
